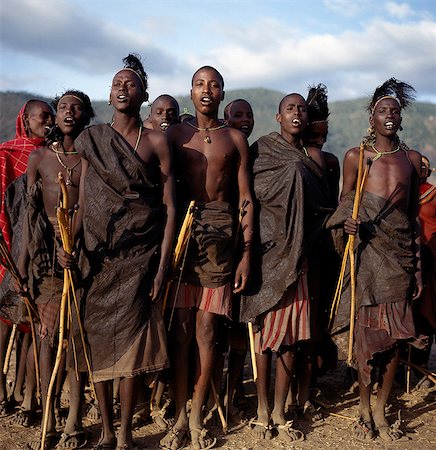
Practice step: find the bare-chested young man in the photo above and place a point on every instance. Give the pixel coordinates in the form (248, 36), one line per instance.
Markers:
(388, 271)
(211, 159)
(164, 112)
(41, 238)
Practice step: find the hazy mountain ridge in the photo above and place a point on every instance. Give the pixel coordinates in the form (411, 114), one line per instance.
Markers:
(348, 120)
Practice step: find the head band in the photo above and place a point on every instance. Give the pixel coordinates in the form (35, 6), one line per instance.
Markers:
(318, 121)
(384, 98)
(137, 74)
(72, 95)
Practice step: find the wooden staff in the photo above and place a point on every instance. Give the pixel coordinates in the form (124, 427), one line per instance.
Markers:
(8, 262)
(408, 370)
(361, 178)
(220, 409)
(252, 351)
(9, 350)
(430, 375)
(66, 287)
(182, 241)
(65, 230)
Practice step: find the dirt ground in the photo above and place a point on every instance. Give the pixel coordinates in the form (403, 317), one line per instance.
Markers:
(417, 415)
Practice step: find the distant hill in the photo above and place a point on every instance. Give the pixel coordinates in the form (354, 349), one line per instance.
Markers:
(347, 124)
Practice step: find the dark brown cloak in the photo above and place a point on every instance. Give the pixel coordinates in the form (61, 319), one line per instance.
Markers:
(291, 194)
(15, 210)
(123, 226)
(385, 260)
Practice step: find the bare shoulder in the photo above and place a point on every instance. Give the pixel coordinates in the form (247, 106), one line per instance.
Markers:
(175, 131)
(36, 156)
(351, 157)
(157, 142)
(236, 135)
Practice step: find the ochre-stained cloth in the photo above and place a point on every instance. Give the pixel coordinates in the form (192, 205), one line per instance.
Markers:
(209, 261)
(214, 300)
(122, 230)
(291, 195)
(48, 304)
(42, 240)
(287, 322)
(385, 269)
(378, 329)
(14, 155)
(426, 305)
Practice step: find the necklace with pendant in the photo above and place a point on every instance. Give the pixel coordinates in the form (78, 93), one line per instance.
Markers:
(379, 154)
(207, 138)
(68, 170)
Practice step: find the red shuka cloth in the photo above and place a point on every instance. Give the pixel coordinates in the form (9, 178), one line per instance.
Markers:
(13, 163)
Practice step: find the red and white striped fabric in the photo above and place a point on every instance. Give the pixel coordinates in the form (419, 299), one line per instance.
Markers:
(215, 300)
(288, 322)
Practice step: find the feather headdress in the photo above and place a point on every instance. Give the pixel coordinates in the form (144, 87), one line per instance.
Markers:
(317, 104)
(400, 91)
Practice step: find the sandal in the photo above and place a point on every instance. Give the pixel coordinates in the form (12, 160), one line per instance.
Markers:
(22, 417)
(174, 435)
(203, 441)
(76, 439)
(286, 432)
(363, 430)
(261, 430)
(158, 417)
(311, 414)
(5, 408)
(50, 441)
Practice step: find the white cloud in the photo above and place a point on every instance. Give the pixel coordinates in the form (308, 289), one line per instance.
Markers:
(60, 31)
(352, 62)
(346, 7)
(399, 10)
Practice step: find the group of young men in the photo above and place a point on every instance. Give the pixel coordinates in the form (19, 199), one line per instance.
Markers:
(259, 226)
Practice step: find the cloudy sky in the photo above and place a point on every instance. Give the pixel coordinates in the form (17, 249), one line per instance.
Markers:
(352, 46)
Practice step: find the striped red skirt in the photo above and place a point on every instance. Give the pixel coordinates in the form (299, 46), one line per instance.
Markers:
(288, 322)
(214, 300)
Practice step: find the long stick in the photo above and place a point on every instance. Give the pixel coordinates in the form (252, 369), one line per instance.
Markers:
(35, 351)
(66, 287)
(218, 405)
(361, 178)
(182, 240)
(252, 352)
(9, 350)
(57, 362)
(8, 262)
(430, 375)
(338, 292)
